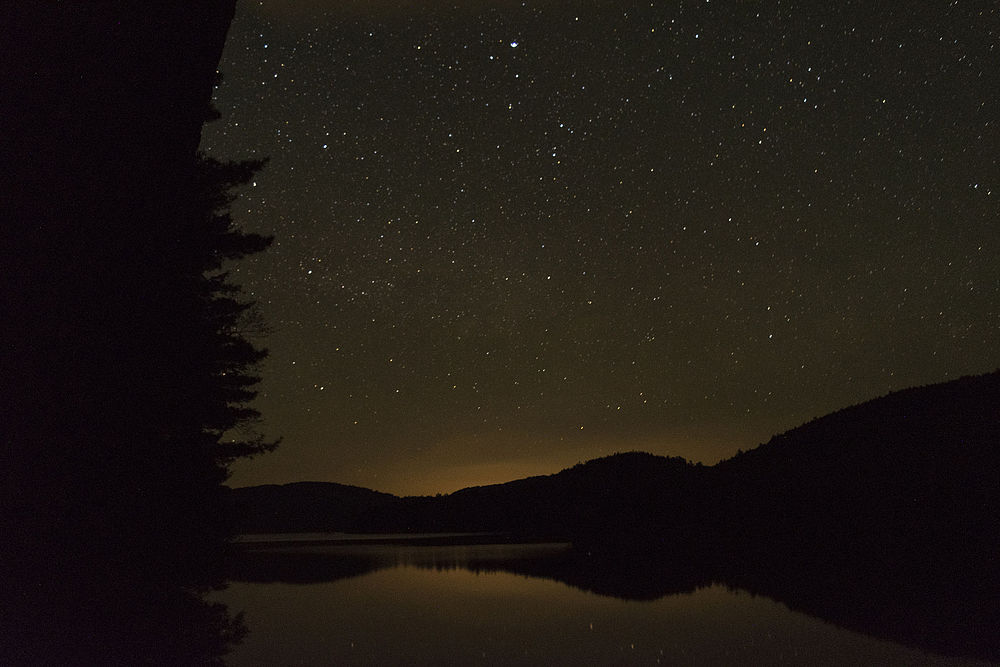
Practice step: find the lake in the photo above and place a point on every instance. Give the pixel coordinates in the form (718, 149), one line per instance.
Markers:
(376, 603)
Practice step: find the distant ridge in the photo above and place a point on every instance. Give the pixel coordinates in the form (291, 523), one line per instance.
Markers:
(531, 507)
(945, 408)
(916, 465)
(882, 517)
(305, 507)
(892, 475)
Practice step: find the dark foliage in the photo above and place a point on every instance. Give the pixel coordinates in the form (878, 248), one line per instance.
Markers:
(124, 362)
(123, 354)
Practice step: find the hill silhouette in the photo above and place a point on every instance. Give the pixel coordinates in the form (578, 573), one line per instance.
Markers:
(881, 517)
(883, 477)
(897, 500)
(886, 477)
(307, 507)
(567, 505)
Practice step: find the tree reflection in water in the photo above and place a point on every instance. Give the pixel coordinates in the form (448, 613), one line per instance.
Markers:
(94, 617)
(922, 615)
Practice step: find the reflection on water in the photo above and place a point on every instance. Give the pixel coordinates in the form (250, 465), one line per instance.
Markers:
(98, 616)
(503, 604)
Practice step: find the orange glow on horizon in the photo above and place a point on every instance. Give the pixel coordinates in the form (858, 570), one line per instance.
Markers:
(430, 477)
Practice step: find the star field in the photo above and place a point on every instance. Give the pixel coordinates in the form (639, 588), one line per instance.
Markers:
(511, 236)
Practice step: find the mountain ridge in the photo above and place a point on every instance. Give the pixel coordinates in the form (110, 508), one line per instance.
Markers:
(883, 515)
(916, 464)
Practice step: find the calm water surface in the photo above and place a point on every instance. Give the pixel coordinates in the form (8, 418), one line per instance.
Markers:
(424, 606)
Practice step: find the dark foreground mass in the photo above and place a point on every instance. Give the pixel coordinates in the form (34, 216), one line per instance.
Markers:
(122, 356)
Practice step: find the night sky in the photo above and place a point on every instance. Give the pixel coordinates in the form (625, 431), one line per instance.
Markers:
(512, 236)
